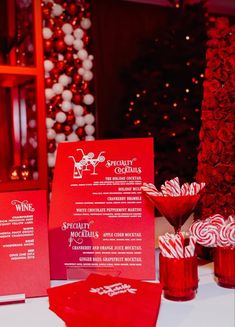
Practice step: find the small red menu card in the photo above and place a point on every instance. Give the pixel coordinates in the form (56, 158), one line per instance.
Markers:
(106, 301)
(24, 253)
(99, 220)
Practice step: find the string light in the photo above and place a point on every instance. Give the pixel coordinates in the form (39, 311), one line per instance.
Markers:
(137, 122)
(130, 109)
(173, 134)
(165, 117)
(137, 95)
(167, 85)
(184, 118)
(187, 90)
(187, 37)
(132, 103)
(175, 104)
(201, 75)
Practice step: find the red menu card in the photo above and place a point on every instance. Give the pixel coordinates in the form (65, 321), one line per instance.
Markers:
(24, 243)
(99, 220)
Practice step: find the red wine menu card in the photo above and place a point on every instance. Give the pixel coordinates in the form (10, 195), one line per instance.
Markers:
(24, 253)
(99, 221)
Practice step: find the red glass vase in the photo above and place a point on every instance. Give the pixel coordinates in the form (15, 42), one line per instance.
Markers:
(224, 266)
(179, 277)
(176, 209)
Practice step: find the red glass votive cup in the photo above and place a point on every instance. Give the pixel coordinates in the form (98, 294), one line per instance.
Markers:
(179, 277)
(224, 266)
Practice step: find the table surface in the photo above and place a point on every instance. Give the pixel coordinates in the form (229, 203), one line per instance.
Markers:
(212, 307)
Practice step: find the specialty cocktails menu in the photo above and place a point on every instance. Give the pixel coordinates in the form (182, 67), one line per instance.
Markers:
(99, 221)
(24, 256)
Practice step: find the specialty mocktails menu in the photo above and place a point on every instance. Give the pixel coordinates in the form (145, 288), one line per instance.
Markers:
(99, 220)
(24, 256)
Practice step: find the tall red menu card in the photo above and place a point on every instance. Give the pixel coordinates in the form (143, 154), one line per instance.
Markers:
(99, 221)
(24, 253)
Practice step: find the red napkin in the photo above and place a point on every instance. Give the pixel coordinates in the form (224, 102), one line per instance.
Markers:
(106, 301)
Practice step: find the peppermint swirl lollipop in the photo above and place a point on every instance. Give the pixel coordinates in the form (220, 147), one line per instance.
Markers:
(217, 220)
(227, 234)
(206, 234)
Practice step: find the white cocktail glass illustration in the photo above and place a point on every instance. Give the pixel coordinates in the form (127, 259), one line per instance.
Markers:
(86, 157)
(78, 167)
(95, 161)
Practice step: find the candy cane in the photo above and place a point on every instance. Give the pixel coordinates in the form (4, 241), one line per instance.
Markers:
(166, 252)
(173, 187)
(185, 189)
(190, 249)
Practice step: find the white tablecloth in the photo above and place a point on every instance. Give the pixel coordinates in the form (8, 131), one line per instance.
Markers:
(212, 307)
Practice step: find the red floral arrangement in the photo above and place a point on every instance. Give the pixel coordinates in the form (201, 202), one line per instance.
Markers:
(216, 153)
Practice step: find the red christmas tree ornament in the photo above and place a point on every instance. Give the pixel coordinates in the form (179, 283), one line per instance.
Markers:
(69, 56)
(72, 9)
(68, 129)
(77, 99)
(80, 132)
(60, 46)
(77, 78)
(70, 70)
(48, 45)
(70, 118)
(58, 33)
(58, 127)
(51, 146)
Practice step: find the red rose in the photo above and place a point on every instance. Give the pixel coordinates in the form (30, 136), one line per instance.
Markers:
(214, 63)
(221, 74)
(227, 157)
(232, 189)
(212, 85)
(209, 101)
(217, 147)
(225, 133)
(231, 48)
(210, 134)
(219, 114)
(208, 199)
(213, 33)
(222, 23)
(228, 178)
(221, 200)
(229, 63)
(211, 53)
(207, 115)
(214, 159)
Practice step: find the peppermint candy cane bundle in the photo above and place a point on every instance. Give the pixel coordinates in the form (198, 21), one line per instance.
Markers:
(173, 188)
(177, 246)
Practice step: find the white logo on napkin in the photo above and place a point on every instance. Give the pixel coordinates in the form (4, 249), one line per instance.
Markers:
(114, 289)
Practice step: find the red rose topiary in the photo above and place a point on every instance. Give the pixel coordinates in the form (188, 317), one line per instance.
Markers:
(216, 158)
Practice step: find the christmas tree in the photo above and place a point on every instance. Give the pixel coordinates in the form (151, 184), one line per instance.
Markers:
(164, 86)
